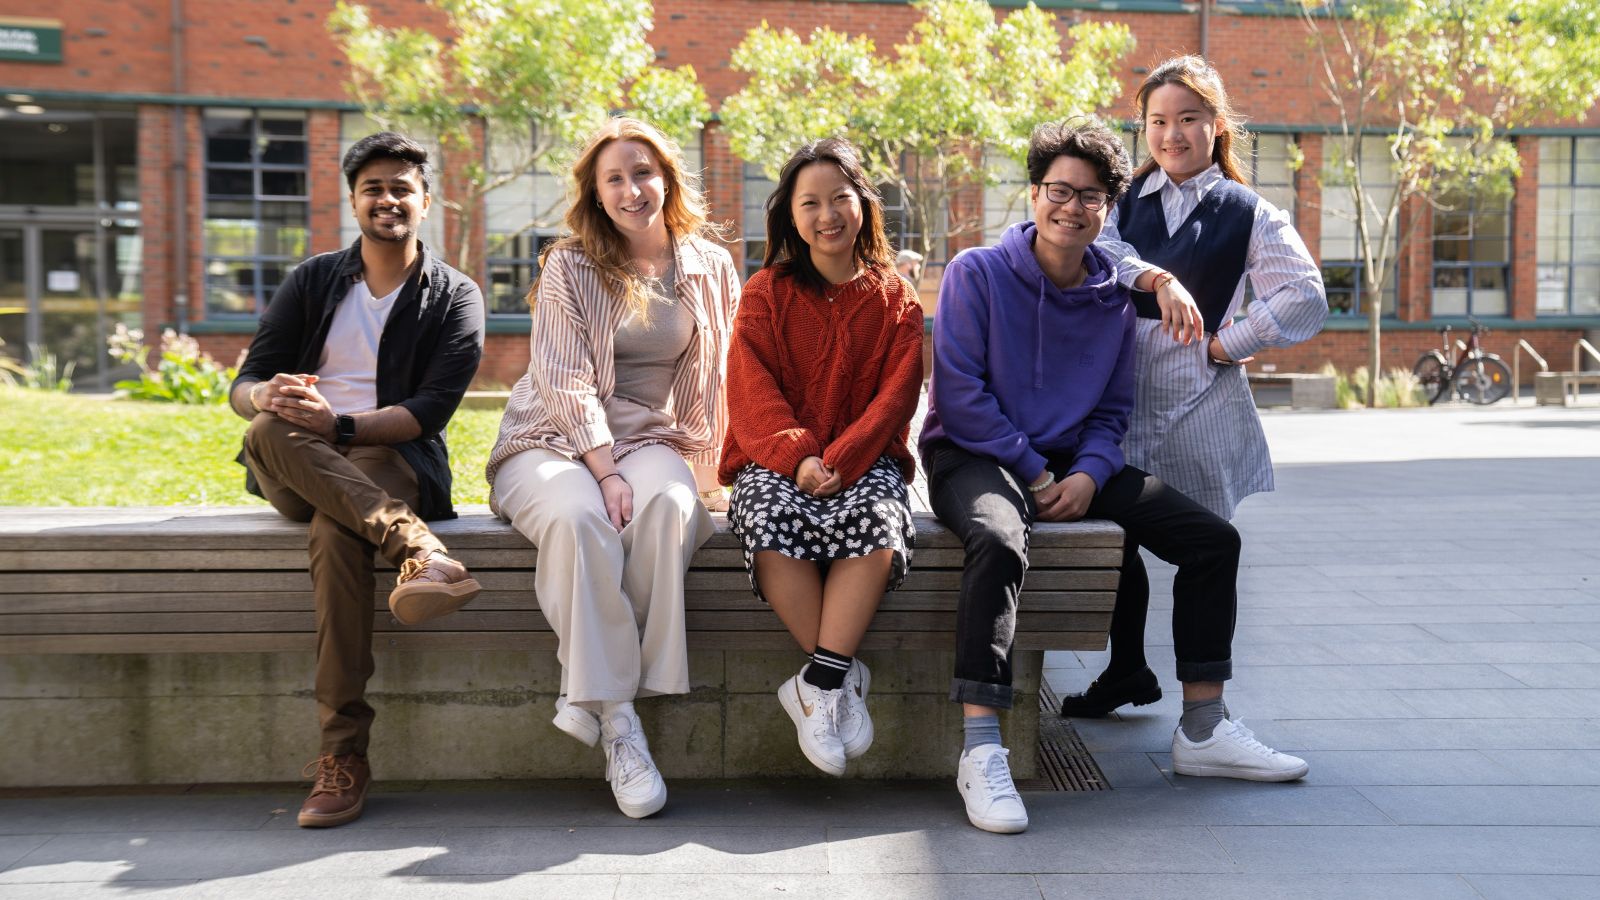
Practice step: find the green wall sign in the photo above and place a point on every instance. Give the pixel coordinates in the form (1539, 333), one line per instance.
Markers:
(30, 40)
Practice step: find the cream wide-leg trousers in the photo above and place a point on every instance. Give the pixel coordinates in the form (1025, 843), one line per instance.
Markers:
(614, 600)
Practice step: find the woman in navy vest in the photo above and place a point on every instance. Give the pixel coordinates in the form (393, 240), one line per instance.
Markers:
(1194, 423)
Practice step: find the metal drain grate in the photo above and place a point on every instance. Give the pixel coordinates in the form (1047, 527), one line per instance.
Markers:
(1064, 763)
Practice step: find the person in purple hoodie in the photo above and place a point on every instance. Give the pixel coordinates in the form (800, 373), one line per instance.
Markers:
(1033, 383)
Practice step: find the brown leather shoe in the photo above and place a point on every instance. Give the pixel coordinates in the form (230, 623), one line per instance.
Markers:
(340, 791)
(431, 587)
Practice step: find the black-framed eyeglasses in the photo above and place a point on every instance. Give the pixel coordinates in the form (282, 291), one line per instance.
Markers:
(1061, 192)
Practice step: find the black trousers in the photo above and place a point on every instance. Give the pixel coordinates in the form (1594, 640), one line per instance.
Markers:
(992, 511)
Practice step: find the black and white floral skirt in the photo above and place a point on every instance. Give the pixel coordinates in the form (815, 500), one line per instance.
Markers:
(768, 511)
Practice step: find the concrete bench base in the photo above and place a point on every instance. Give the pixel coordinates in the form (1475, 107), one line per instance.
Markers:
(1306, 390)
(1560, 388)
(102, 719)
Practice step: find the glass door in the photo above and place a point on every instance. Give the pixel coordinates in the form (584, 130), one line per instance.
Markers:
(53, 303)
(13, 294)
(70, 325)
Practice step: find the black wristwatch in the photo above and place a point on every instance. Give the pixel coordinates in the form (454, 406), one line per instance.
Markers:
(344, 429)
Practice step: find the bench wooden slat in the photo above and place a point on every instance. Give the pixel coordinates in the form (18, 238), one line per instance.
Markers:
(191, 528)
(189, 559)
(293, 601)
(270, 642)
(492, 580)
(507, 621)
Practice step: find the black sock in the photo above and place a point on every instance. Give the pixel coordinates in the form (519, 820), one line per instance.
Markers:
(827, 669)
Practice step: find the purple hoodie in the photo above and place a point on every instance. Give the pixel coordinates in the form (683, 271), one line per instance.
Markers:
(1022, 369)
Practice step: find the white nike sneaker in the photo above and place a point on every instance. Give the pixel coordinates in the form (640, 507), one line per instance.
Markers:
(577, 721)
(1234, 752)
(635, 780)
(816, 721)
(855, 724)
(984, 778)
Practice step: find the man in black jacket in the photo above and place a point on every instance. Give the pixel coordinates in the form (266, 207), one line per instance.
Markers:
(359, 361)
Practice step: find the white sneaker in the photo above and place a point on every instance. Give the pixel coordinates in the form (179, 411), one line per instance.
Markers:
(984, 779)
(1234, 752)
(577, 721)
(635, 780)
(855, 724)
(816, 720)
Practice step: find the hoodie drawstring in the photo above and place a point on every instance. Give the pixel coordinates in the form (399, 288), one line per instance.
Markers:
(1038, 340)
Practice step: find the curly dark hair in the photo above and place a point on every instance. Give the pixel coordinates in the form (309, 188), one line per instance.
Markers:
(1087, 139)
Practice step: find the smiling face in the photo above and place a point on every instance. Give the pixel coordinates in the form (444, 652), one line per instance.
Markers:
(1179, 131)
(388, 201)
(632, 186)
(1065, 229)
(827, 213)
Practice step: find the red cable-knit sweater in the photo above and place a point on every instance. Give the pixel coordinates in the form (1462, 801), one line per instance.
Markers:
(810, 377)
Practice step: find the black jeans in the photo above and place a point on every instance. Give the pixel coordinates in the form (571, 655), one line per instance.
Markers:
(992, 511)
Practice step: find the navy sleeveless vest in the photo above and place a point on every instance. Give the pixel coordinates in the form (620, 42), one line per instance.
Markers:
(1207, 252)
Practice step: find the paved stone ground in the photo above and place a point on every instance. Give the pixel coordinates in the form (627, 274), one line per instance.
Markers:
(1420, 618)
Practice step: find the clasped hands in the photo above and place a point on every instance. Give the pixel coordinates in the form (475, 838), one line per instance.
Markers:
(296, 399)
(817, 478)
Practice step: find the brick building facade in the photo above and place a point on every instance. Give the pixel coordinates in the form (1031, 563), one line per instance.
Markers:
(130, 192)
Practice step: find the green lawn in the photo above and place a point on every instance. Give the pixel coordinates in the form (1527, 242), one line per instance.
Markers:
(66, 450)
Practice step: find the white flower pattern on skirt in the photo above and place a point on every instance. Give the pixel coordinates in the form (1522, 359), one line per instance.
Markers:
(768, 511)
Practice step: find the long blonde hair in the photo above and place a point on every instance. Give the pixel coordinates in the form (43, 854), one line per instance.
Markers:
(1197, 75)
(596, 236)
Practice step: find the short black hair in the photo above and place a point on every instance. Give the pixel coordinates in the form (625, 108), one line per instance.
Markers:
(1085, 138)
(387, 145)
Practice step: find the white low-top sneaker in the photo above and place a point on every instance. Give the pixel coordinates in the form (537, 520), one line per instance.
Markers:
(577, 721)
(855, 724)
(1234, 752)
(635, 780)
(984, 778)
(816, 721)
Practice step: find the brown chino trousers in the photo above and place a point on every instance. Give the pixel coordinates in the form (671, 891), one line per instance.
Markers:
(357, 499)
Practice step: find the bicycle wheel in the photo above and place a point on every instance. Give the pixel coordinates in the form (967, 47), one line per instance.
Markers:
(1429, 371)
(1483, 380)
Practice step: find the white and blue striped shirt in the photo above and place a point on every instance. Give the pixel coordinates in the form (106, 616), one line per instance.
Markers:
(1195, 425)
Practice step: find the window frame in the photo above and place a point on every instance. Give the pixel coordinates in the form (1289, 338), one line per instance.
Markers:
(258, 260)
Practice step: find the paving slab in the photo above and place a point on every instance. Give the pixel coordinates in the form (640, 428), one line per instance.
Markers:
(1414, 849)
(1531, 703)
(146, 813)
(957, 849)
(621, 849)
(1554, 675)
(1488, 805)
(1300, 887)
(1572, 767)
(169, 855)
(834, 887)
(14, 847)
(1439, 734)
(1535, 887)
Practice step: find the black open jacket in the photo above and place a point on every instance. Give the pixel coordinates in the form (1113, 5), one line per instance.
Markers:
(427, 356)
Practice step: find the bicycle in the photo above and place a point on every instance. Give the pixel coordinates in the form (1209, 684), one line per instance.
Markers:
(1479, 377)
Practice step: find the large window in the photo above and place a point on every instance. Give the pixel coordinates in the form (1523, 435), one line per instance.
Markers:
(757, 188)
(1272, 170)
(1342, 266)
(1006, 201)
(256, 227)
(1471, 254)
(1569, 226)
(353, 126)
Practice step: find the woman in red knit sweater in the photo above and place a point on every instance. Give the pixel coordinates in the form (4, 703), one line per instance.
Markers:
(823, 375)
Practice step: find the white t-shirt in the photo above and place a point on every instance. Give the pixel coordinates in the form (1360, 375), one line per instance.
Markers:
(347, 374)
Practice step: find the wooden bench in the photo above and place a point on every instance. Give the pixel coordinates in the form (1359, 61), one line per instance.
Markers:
(128, 635)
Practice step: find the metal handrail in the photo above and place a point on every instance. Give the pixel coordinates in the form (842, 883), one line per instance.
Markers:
(1572, 383)
(1516, 367)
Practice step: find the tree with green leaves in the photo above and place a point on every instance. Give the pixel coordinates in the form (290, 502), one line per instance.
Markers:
(532, 77)
(1439, 83)
(963, 90)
